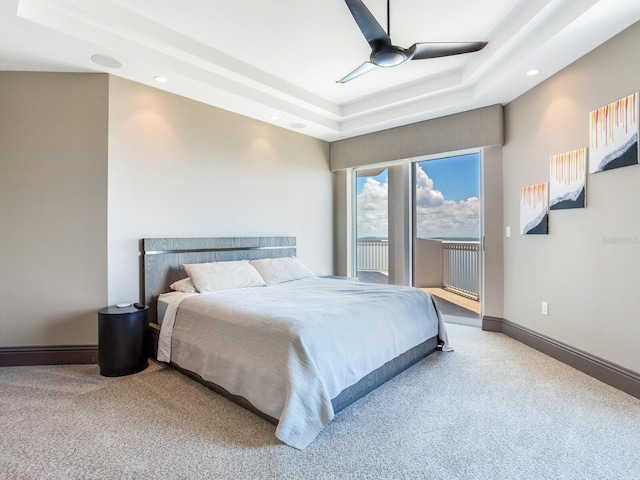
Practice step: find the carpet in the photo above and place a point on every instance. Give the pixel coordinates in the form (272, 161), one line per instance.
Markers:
(493, 408)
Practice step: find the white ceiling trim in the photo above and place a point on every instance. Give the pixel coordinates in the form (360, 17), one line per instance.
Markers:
(161, 46)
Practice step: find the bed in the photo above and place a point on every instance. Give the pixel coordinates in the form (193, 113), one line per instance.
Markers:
(295, 351)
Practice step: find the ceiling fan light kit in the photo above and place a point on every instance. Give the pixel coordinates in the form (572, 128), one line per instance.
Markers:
(385, 54)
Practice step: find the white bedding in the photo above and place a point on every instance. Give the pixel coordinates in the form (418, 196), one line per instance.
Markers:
(290, 348)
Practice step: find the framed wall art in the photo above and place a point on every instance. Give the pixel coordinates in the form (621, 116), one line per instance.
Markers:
(568, 180)
(534, 210)
(613, 135)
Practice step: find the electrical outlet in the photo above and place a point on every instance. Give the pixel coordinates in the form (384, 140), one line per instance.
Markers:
(545, 308)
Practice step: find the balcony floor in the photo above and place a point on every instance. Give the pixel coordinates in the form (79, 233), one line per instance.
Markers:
(471, 306)
(455, 308)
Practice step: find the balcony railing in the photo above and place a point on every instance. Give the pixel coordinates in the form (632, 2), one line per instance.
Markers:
(373, 255)
(452, 265)
(461, 268)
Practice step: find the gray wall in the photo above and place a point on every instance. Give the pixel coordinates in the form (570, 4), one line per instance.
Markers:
(343, 222)
(428, 273)
(589, 278)
(492, 290)
(53, 207)
(182, 168)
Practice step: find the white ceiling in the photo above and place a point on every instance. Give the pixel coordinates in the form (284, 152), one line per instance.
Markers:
(283, 57)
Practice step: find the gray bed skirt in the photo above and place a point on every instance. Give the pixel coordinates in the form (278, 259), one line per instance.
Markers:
(349, 394)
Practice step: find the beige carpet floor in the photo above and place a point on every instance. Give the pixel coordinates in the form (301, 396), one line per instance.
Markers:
(492, 409)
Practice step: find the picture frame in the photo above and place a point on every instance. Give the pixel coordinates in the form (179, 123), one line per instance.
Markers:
(534, 209)
(613, 135)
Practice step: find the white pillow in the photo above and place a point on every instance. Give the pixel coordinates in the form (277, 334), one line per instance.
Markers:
(185, 285)
(216, 276)
(279, 270)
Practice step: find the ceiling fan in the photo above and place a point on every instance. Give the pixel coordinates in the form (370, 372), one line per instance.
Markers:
(385, 54)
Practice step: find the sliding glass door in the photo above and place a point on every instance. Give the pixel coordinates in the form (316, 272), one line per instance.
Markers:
(417, 222)
(446, 218)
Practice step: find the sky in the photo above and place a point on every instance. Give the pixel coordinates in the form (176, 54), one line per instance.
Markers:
(447, 199)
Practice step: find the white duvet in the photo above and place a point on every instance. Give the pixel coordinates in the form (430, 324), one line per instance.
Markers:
(290, 348)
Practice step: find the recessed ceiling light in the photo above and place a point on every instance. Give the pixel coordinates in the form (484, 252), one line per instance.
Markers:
(533, 72)
(273, 116)
(106, 61)
(160, 79)
(297, 125)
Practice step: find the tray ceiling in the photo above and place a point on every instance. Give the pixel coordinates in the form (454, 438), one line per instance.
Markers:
(278, 60)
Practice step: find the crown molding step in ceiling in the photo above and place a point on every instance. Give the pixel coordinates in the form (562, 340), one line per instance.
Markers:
(278, 62)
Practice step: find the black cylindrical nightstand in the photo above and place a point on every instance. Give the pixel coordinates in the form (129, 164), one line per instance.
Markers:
(122, 335)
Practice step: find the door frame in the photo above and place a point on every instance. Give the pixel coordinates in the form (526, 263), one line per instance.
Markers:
(442, 156)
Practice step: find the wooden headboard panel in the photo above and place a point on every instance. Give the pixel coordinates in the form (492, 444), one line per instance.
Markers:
(163, 257)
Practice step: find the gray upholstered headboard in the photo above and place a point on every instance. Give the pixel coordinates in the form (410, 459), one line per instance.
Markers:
(164, 257)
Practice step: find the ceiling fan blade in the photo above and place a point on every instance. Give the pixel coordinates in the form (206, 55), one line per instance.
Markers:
(361, 70)
(421, 51)
(367, 23)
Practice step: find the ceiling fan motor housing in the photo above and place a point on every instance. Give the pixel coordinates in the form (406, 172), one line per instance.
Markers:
(389, 57)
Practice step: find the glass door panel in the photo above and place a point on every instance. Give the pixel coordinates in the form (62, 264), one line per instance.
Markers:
(372, 225)
(447, 255)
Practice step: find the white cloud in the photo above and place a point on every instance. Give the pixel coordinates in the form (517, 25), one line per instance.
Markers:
(372, 204)
(451, 219)
(426, 196)
(439, 217)
(436, 216)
